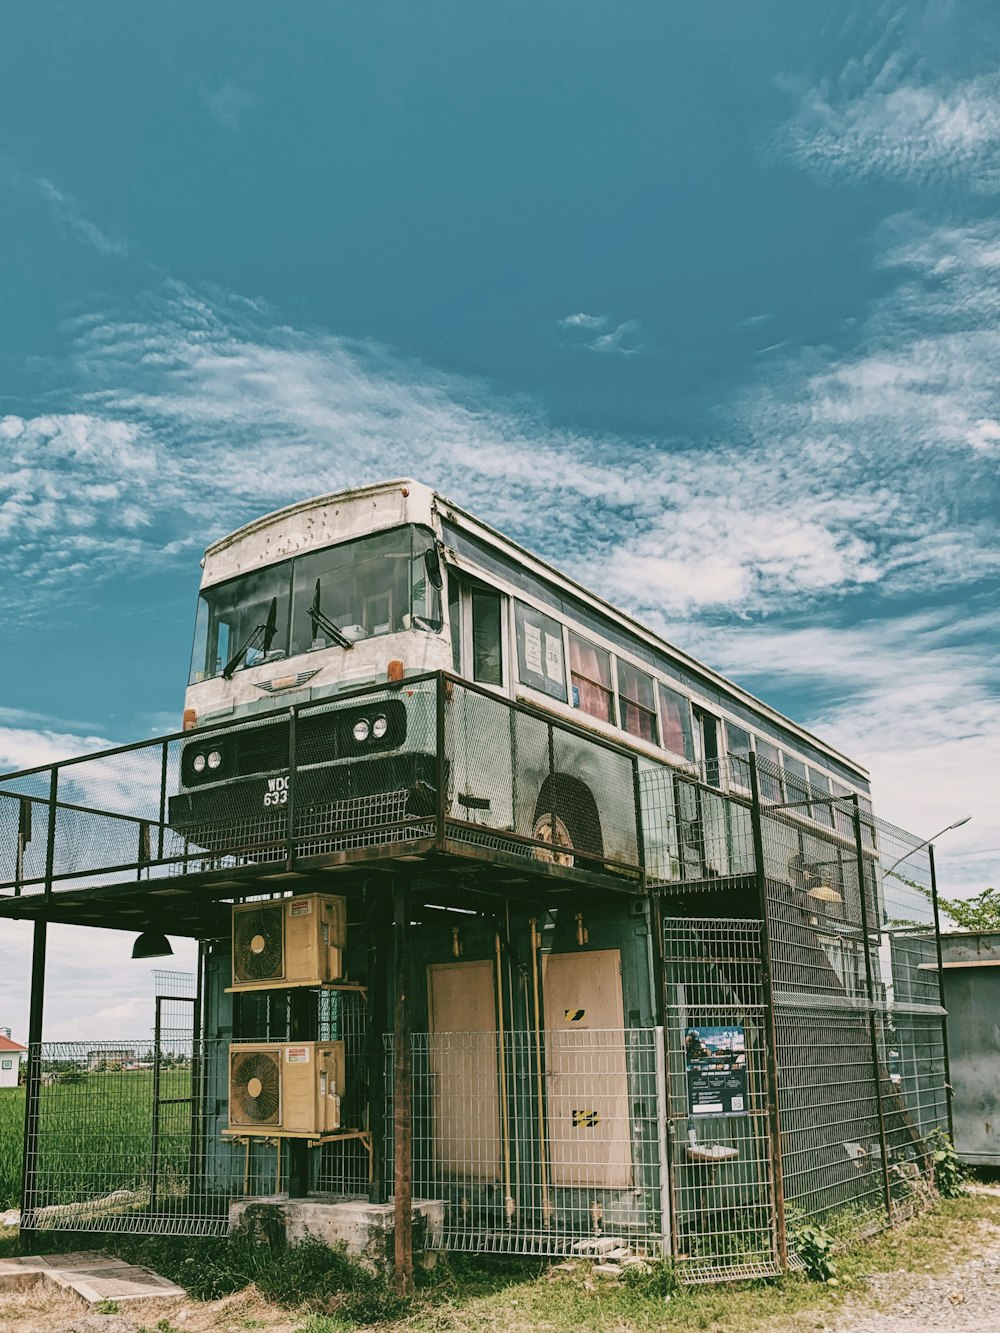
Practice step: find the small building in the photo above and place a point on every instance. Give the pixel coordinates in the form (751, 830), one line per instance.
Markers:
(971, 964)
(11, 1055)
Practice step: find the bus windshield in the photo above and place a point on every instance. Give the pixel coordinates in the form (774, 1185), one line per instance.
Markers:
(374, 585)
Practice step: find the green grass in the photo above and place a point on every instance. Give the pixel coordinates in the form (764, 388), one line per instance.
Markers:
(11, 1135)
(95, 1136)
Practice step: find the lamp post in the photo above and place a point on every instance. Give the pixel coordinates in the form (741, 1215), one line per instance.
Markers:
(926, 843)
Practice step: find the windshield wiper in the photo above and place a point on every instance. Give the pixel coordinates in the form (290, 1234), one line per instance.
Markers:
(320, 621)
(267, 632)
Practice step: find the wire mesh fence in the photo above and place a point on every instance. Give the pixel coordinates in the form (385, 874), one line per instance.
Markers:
(725, 1206)
(850, 946)
(541, 1143)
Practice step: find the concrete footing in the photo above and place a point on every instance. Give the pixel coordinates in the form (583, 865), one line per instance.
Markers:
(365, 1231)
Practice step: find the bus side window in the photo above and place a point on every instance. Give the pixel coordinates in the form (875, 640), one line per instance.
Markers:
(708, 735)
(487, 638)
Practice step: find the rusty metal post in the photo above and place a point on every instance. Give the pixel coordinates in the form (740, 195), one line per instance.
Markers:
(770, 1028)
(402, 1089)
(949, 1090)
(870, 990)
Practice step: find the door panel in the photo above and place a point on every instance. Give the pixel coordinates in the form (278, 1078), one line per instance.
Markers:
(589, 1131)
(462, 1059)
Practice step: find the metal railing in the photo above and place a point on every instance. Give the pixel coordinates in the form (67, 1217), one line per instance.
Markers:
(431, 760)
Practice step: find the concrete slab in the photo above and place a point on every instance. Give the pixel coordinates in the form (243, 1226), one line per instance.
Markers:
(92, 1275)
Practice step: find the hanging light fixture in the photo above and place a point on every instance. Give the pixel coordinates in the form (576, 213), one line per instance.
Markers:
(825, 893)
(151, 945)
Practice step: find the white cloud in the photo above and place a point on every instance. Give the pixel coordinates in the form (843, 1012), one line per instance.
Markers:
(227, 104)
(623, 340)
(95, 990)
(897, 127)
(582, 321)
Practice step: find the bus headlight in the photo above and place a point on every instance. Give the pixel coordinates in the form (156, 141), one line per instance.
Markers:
(198, 763)
(362, 730)
(214, 759)
(379, 727)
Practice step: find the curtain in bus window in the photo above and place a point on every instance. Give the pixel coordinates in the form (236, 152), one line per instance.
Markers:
(540, 663)
(487, 652)
(675, 714)
(590, 675)
(638, 703)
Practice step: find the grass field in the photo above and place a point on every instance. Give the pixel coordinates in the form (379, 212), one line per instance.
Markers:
(96, 1136)
(11, 1131)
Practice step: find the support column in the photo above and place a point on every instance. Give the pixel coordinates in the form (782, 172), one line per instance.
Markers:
(872, 1028)
(377, 1021)
(402, 1088)
(29, 1159)
(770, 1028)
(302, 1024)
(949, 1090)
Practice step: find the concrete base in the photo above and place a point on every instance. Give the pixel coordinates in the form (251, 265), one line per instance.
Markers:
(365, 1231)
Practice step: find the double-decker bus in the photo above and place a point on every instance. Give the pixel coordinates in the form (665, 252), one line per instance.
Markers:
(392, 581)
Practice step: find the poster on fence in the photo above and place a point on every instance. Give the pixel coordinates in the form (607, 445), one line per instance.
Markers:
(716, 1060)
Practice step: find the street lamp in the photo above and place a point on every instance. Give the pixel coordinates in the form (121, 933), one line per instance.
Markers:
(926, 842)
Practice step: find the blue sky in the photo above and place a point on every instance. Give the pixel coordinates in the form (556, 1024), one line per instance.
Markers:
(698, 300)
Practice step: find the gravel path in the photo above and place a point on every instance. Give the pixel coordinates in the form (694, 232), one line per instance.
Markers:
(966, 1300)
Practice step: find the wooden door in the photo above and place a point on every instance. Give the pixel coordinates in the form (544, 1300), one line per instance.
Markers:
(587, 1103)
(462, 1062)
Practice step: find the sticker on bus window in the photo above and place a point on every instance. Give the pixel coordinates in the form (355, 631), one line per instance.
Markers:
(533, 649)
(554, 658)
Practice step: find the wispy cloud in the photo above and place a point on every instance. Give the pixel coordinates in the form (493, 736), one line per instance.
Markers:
(69, 212)
(582, 321)
(884, 116)
(227, 104)
(623, 340)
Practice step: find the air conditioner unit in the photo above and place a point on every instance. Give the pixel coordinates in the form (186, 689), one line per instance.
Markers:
(290, 1089)
(296, 941)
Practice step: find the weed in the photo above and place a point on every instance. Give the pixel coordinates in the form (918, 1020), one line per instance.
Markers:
(814, 1246)
(106, 1307)
(948, 1172)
